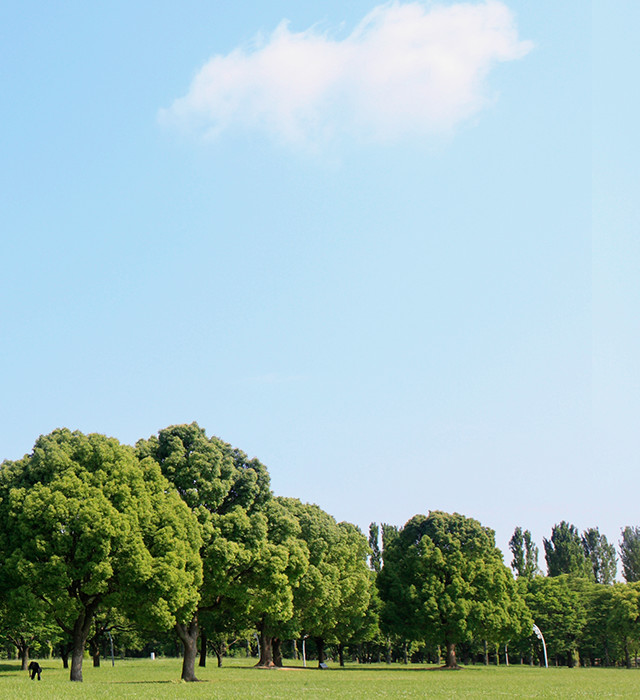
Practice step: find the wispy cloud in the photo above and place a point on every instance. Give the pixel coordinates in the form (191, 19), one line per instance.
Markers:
(407, 69)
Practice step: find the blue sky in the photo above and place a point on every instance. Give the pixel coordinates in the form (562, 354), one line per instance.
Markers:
(390, 250)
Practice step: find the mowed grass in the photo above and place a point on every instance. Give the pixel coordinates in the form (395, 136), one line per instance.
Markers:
(237, 680)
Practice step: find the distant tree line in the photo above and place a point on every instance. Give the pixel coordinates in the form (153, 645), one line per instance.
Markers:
(178, 546)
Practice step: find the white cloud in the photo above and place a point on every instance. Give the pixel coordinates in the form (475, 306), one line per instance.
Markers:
(406, 69)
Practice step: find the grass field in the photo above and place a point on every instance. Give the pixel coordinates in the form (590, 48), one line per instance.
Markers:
(143, 678)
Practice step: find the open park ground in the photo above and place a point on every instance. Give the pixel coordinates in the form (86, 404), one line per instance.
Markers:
(237, 680)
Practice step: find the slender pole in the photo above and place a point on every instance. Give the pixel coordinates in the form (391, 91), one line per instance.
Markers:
(304, 651)
(113, 661)
(538, 633)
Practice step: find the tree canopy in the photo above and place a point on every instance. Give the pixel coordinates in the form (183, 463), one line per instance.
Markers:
(84, 524)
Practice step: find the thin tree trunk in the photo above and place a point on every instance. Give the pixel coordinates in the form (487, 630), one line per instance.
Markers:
(405, 652)
(23, 655)
(203, 649)
(388, 650)
(64, 655)
(341, 654)
(188, 634)
(218, 650)
(320, 648)
(486, 653)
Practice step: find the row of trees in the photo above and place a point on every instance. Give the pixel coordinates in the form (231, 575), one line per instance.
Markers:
(443, 584)
(182, 533)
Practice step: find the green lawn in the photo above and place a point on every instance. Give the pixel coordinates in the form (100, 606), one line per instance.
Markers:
(144, 678)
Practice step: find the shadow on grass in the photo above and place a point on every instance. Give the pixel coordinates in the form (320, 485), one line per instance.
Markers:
(6, 668)
(413, 668)
(156, 682)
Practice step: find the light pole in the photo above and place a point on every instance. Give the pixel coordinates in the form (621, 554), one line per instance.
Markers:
(538, 633)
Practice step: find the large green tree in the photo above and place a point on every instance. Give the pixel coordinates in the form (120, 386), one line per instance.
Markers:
(85, 525)
(600, 555)
(332, 597)
(443, 580)
(228, 493)
(525, 554)
(564, 552)
(630, 554)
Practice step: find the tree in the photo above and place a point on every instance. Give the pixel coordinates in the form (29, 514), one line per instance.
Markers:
(525, 554)
(84, 525)
(271, 585)
(630, 554)
(24, 622)
(564, 552)
(601, 555)
(557, 604)
(332, 597)
(443, 579)
(228, 493)
(375, 559)
(624, 617)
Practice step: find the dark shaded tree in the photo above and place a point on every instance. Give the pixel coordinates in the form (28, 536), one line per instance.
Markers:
(630, 553)
(600, 555)
(564, 552)
(525, 554)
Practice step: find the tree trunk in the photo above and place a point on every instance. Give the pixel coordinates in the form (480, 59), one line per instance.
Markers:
(341, 654)
(96, 659)
(405, 652)
(276, 645)
(219, 650)
(266, 648)
(627, 656)
(486, 653)
(388, 650)
(23, 655)
(188, 634)
(81, 629)
(203, 649)
(320, 648)
(64, 655)
(452, 661)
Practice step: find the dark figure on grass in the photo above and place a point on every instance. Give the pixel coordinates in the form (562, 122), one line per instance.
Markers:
(35, 669)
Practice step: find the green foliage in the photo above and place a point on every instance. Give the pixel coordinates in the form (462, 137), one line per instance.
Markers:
(601, 555)
(84, 525)
(227, 492)
(558, 607)
(83, 521)
(525, 554)
(630, 554)
(375, 559)
(443, 580)
(564, 552)
(333, 595)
